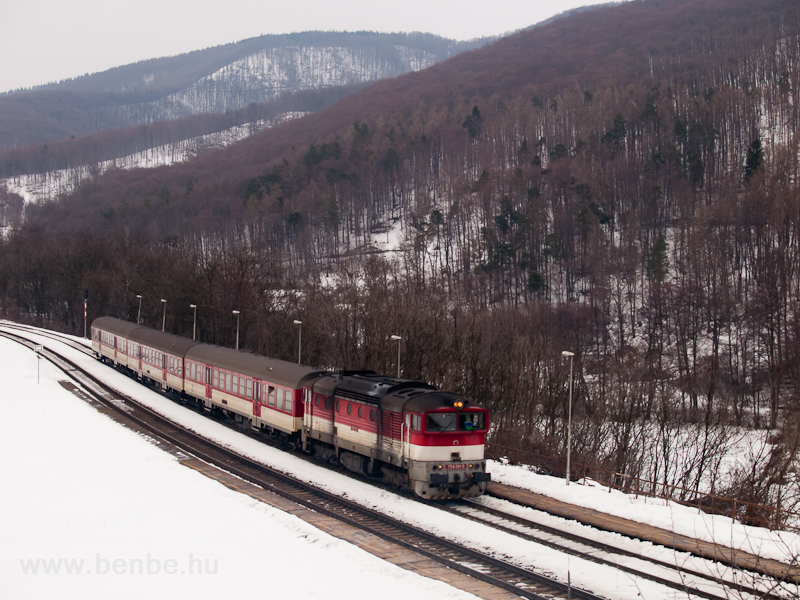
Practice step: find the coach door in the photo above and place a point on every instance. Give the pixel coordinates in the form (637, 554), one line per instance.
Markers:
(307, 408)
(256, 398)
(208, 383)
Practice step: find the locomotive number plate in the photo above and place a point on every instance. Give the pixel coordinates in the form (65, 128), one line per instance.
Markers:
(455, 467)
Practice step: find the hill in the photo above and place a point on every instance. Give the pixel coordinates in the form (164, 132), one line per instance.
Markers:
(214, 80)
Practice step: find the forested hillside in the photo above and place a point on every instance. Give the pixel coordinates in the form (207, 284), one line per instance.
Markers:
(622, 183)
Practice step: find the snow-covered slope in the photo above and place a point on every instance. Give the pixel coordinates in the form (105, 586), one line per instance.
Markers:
(267, 73)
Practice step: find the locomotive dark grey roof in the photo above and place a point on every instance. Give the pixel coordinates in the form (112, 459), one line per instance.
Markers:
(115, 326)
(390, 393)
(276, 371)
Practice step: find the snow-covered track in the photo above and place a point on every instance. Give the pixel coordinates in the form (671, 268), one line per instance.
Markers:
(676, 575)
(498, 573)
(53, 335)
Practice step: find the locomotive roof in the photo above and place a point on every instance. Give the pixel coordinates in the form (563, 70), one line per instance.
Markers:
(166, 342)
(366, 386)
(115, 326)
(432, 401)
(272, 370)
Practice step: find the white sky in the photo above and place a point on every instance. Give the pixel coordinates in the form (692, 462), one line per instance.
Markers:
(42, 41)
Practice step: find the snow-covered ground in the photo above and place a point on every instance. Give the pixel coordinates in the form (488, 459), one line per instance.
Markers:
(93, 510)
(83, 488)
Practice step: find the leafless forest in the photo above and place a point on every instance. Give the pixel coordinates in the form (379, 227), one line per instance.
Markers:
(622, 184)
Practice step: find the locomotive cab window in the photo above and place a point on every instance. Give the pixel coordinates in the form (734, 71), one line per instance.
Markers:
(441, 421)
(416, 422)
(472, 421)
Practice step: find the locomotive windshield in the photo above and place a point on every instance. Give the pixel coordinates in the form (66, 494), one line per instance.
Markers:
(471, 421)
(451, 421)
(441, 421)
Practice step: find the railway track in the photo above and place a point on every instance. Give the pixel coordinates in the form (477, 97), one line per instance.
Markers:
(677, 574)
(500, 574)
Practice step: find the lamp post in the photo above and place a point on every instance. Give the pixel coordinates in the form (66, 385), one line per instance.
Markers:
(194, 327)
(567, 353)
(164, 320)
(299, 339)
(139, 316)
(398, 339)
(236, 312)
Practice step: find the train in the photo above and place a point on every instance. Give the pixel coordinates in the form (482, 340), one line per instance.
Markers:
(407, 433)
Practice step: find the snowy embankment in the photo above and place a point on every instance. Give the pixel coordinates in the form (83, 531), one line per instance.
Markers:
(93, 510)
(201, 504)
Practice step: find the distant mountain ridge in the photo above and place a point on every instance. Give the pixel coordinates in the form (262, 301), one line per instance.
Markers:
(214, 80)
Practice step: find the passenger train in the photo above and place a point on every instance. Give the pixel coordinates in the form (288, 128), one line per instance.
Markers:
(408, 433)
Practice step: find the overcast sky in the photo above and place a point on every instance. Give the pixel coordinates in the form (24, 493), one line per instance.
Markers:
(42, 41)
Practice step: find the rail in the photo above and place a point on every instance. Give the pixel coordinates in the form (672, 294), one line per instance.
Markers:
(749, 513)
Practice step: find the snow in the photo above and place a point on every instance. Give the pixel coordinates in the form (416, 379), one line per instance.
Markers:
(129, 521)
(98, 515)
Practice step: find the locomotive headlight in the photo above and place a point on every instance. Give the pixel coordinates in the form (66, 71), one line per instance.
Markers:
(470, 466)
(458, 404)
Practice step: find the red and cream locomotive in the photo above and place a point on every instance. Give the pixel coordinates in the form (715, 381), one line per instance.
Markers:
(408, 433)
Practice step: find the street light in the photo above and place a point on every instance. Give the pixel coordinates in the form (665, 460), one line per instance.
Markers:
(139, 316)
(236, 312)
(299, 339)
(567, 353)
(398, 339)
(164, 320)
(194, 327)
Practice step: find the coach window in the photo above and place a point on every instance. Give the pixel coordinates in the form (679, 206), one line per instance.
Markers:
(227, 382)
(235, 387)
(241, 386)
(287, 394)
(249, 389)
(280, 399)
(271, 396)
(216, 378)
